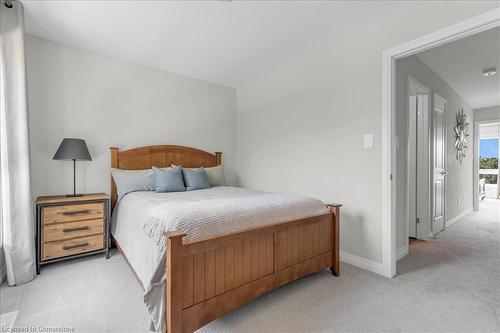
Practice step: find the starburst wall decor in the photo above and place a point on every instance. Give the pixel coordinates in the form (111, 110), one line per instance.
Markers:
(461, 133)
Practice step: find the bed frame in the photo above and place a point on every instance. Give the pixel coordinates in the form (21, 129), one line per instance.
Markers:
(210, 277)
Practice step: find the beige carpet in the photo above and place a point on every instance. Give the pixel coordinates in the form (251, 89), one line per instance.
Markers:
(451, 284)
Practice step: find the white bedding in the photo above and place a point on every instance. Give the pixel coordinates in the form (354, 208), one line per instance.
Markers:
(141, 218)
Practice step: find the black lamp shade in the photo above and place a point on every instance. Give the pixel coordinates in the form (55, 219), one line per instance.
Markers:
(72, 149)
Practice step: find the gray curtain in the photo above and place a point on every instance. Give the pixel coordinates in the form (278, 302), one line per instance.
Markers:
(15, 197)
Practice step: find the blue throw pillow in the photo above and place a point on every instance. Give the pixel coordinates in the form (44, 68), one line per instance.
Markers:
(169, 180)
(195, 179)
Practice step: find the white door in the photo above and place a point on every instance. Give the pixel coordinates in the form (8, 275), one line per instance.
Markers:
(439, 174)
(423, 167)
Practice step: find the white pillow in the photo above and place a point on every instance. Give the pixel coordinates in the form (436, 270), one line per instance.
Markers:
(215, 175)
(127, 181)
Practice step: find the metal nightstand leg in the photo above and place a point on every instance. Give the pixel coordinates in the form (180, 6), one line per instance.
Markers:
(37, 238)
(108, 232)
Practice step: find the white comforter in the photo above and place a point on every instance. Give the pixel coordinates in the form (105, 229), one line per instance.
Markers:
(202, 213)
(223, 209)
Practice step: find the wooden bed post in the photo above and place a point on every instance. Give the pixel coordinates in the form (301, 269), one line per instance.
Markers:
(114, 157)
(173, 288)
(335, 210)
(218, 156)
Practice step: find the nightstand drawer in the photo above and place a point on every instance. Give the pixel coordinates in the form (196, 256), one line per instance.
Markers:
(62, 231)
(72, 246)
(68, 213)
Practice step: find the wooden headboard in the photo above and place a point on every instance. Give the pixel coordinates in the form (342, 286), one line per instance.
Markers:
(159, 156)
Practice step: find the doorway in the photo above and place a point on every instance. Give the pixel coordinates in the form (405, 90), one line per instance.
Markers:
(391, 142)
(426, 162)
(418, 114)
(486, 155)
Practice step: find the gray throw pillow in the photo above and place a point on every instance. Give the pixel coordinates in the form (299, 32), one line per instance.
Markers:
(195, 179)
(169, 180)
(127, 181)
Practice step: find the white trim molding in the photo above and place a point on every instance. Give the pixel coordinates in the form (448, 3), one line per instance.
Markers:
(458, 217)
(402, 252)
(476, 24)
(369, 265)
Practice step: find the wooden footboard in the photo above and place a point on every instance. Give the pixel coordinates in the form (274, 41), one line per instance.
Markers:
(208, 278)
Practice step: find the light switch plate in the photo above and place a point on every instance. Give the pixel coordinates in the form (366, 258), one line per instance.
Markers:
(368, 141)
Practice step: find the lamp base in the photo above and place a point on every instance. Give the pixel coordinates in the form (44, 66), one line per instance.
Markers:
(73, 195)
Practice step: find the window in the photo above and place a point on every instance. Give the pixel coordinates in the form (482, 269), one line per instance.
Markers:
(488, 160)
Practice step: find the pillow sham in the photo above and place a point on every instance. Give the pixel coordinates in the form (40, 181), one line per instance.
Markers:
(127, 181)
(215, 175)
(168, 180)
(195, 179)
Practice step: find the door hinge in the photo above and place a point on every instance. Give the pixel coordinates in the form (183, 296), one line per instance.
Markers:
(390, 177)
(418, 220)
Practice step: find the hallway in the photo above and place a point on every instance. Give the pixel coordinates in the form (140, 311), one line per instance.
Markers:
(457, 275)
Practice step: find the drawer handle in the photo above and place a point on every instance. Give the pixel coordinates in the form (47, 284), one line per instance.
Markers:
(76, 229)
(83, 211)
(69, 247)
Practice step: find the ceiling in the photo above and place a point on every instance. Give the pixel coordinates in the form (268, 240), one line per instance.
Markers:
(462, 62)
(227, 41)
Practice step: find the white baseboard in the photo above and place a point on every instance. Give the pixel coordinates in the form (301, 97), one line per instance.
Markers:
(3, 273)
(458, 217)
(369, 265)
(402, 252)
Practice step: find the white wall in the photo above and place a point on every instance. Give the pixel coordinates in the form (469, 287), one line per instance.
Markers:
(301, 121)
(459, 179)
(110, 102)
(300, 130)
(489, 113)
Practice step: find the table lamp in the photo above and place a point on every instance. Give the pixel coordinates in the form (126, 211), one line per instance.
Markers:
(73, 149)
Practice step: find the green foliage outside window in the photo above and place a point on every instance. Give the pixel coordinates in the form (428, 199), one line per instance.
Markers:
(489, 163)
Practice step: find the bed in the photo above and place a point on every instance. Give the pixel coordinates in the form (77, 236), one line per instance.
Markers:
(199, 271)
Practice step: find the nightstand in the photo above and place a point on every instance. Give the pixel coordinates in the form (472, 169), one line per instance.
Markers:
(71, 227)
